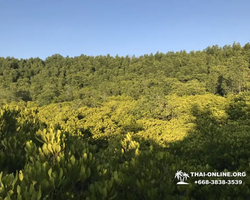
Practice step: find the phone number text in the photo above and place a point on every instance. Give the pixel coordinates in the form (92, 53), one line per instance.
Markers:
(219, 182)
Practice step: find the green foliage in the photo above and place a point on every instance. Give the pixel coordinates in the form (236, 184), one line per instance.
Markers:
(214, 70)
(104, 128)
(119, 151)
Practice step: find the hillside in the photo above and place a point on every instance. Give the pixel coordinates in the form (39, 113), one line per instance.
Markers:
(216, 70)
(120, 128)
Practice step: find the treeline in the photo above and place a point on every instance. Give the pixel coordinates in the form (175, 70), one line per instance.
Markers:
(216, 70)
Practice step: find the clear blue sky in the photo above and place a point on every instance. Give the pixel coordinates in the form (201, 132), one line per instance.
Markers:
(41, 28)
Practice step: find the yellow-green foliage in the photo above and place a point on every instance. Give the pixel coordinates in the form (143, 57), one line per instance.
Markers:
(109, 119)
(46, 152)
(182, 106)
(182, 118)
(115, 117)
(55, 113)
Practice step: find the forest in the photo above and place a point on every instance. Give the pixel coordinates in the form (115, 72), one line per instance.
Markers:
(119, 128)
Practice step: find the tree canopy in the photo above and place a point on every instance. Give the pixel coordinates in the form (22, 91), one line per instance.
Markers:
(121, 128)
(217, 70)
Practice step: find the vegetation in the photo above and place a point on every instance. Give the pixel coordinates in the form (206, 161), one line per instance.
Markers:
(120, 128)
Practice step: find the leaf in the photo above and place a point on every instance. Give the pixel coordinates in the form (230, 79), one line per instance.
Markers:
(18, 189)
(116, 175)
(44, 184)
(49, 172)
(104, 192)
(39, 195)
(72, 160)
(138, 184)
(85, 156)
(20, 175)
(83, 170)
(50, 148)
(61, 173)
(58, 148)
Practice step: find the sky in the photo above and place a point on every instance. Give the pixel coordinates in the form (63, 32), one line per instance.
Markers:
(41, 28)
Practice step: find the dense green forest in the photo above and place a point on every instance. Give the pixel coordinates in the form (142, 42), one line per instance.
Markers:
(119, 128)
(57, 79)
